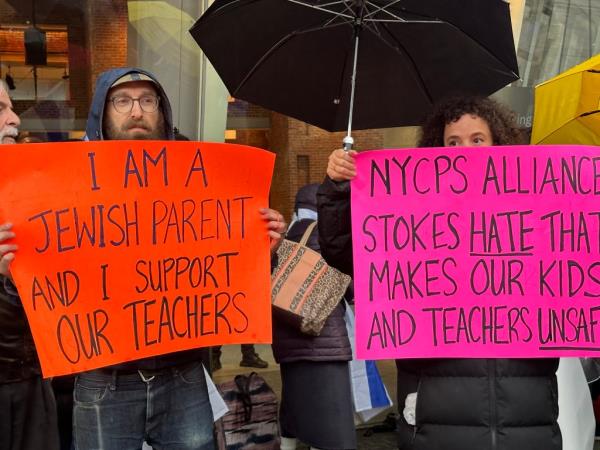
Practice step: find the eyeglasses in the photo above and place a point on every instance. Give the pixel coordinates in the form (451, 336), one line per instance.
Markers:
(124, 104)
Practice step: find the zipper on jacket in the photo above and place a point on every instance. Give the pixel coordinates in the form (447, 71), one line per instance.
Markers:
(414, 434)
(493, 414)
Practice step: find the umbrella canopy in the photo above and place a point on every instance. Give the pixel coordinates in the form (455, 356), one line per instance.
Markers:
(567, 107)
(296, 57)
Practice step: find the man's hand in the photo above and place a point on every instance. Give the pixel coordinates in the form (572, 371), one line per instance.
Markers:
(341, 165)
(6, 249)
(275, 226)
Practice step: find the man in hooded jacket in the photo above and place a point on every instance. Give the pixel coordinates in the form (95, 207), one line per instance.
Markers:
(164, 399)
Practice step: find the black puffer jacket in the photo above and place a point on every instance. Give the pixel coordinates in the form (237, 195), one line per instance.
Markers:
(290, 344)
(462, 404)
(18, 359)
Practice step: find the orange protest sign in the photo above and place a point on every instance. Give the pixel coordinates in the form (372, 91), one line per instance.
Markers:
(130, 249)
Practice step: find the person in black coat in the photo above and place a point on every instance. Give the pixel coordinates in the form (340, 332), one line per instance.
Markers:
(454, 404)
(316, 404)
(27, 405)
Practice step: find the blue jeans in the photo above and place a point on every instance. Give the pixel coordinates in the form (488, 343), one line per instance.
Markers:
(169, 410)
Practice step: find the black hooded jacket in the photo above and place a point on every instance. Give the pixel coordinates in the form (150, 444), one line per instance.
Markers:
(93, 128)
(462, 404)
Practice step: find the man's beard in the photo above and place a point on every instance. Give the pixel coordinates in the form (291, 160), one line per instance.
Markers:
(125, 133)
(8, 135)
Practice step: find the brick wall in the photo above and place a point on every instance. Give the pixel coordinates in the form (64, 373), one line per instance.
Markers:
(107, 28)
(253, 137)
(79, 68)
(13, 41)
(240, 108)
(291, 138)
(71, 15)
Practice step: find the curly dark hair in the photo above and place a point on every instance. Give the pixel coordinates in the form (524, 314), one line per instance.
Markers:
(499, 118)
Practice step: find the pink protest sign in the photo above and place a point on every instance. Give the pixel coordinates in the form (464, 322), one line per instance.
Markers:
(477, 252)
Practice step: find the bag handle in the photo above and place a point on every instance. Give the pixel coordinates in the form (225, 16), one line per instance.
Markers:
(243, 384)
(307, 233)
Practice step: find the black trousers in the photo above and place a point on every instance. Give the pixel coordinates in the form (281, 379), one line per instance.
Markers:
(63, 393)
(28, 416)
(247, 351)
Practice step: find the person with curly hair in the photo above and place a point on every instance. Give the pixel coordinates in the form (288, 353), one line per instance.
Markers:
(457, 111)
(449, 403)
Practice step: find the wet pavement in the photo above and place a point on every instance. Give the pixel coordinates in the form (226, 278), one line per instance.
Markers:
(369, 436)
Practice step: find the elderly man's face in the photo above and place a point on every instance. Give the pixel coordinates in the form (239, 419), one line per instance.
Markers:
(9, 121)
(139, 122)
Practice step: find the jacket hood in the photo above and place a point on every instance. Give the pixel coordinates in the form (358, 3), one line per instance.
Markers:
(306, 197)
(93, 129)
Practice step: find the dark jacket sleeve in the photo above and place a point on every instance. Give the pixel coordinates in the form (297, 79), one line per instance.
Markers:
(335, 230)
(8, 291)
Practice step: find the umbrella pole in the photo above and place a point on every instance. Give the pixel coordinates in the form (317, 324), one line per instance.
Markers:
(349, 140)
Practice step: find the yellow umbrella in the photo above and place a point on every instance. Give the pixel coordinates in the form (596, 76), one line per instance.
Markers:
(567, 107)
(162, 26)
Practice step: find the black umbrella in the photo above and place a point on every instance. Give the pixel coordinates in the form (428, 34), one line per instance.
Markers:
(304, 58)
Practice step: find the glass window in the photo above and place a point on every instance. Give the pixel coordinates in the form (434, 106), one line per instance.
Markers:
(555, 35)
(51, 52)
